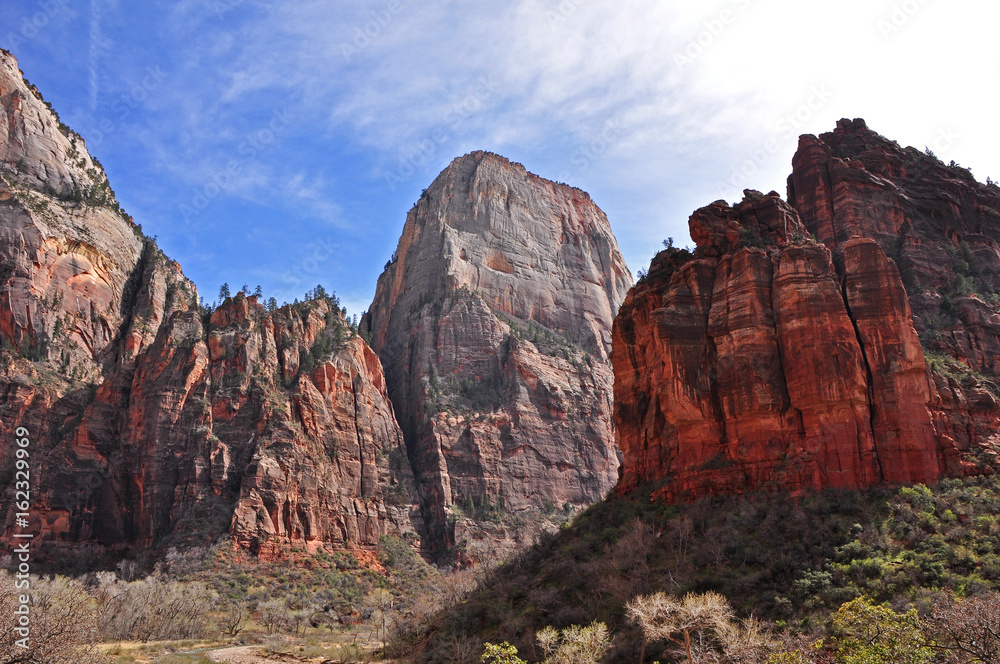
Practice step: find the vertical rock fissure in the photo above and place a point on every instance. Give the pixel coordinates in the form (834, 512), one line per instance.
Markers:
(777, 339)
(130, 295)
(357, 435)
(869, 377)
(713, 374)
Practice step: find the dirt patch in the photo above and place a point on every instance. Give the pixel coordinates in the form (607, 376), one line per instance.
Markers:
(247, 655)
(369, 560)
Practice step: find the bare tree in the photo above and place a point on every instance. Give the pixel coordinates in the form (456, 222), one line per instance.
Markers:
(967, 629)
(183, 608)
(299, 619)
(625, 570)
(128, 570)
(179, 563)
(235, 614)
(487, 559)
(746, 642)
(273, 615)
(462, 649)
(380, 601)
(63, 622)
(575, 644)
(152, 609)
(715, 542)
(681, 530)
(130, 611)
(678, 621)
(452, 587)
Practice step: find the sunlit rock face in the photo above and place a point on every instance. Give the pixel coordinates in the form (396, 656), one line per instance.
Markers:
(493, 321)
(847, 337)
(152, 424)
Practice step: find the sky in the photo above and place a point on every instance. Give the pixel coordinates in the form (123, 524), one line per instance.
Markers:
(281, 143)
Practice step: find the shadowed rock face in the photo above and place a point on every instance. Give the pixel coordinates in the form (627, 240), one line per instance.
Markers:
(493, 322)
(151, 424)
(846, 338)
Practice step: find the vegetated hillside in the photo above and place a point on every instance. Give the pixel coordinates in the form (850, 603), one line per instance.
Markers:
(306, 605)
(493, 321)
(788, 560)
(322, 587)
(153, 420)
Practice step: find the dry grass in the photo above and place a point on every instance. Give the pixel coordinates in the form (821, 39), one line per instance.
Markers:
(352, 646)
(159, 652)
(349, 646)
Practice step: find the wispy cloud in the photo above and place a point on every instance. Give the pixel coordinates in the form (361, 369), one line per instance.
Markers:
(98, 44)
(699, 87)
(384, 94)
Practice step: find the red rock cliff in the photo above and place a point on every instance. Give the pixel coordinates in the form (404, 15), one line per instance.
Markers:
(151, 424)
(493, 322)
(846, 338)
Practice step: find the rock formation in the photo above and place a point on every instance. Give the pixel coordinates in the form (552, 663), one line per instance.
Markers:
(156, 423)
(493, 321)
(152, 423)
(845, 338)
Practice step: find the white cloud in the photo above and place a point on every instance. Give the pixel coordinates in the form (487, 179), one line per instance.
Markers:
(698, 87)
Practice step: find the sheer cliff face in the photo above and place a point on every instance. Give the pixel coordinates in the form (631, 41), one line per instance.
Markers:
(493, 322)
(311, 449)
(66, 265)
(843, 339)
(149, 423)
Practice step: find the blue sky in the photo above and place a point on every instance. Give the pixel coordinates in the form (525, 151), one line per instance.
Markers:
(282, 143)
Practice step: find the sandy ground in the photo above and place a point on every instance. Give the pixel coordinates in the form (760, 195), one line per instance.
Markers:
(244, 655)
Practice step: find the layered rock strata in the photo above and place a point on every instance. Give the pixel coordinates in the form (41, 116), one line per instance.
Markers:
(151, 422)
(493, 321)
(842, 339)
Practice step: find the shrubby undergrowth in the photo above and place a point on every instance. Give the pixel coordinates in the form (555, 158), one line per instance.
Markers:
(906, 574)
(791, 562)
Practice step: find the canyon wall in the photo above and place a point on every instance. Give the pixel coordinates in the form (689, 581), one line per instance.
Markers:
(493, 321)
(844, 338)
(152, 422)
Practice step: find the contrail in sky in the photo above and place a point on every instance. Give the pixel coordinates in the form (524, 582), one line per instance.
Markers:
(95, 47)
